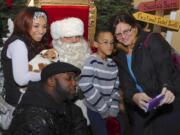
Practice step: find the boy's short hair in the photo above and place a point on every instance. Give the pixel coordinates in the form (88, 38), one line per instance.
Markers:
(100, 29)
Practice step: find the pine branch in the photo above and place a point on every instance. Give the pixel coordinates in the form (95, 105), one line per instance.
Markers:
(8, 12)
(107, 8)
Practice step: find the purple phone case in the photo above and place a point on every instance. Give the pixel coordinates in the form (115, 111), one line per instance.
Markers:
(154, 102)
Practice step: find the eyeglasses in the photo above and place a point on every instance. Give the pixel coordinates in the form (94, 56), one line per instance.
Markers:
(73, 37)
(125, 33)
(106, 43)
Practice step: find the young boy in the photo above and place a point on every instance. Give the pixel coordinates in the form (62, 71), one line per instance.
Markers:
(99, 83)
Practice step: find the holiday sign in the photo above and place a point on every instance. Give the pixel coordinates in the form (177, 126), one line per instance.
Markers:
(161, 21)
(159, 5)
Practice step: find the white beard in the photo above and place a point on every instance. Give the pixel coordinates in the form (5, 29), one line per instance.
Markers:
(73, 53)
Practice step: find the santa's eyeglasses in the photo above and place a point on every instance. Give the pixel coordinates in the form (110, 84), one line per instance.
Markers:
(73, 37)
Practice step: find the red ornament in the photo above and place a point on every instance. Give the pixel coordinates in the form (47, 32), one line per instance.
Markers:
(9, 3)
(113, 126)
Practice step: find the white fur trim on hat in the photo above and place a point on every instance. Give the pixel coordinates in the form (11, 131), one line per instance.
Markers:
(67, 27)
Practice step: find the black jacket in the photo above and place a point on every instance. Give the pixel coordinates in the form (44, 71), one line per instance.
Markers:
(11, 87)
(151, 65)
(153, 69)
(38, 114)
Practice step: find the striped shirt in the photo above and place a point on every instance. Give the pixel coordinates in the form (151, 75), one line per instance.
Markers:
(100, 85)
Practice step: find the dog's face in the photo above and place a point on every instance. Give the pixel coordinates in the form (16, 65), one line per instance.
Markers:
(43, 59)
(50, 54)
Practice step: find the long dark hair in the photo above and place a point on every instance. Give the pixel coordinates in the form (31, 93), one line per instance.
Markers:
(124, 17)
(23, 23)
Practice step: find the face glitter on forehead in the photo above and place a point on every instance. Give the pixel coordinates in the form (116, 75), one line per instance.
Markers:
(39, 14)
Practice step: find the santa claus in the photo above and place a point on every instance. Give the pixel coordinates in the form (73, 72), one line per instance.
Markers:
(68, 40)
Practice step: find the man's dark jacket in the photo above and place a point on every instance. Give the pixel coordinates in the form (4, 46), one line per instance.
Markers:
(38, 114)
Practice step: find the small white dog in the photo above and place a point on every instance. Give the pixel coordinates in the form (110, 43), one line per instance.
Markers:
(42, 59)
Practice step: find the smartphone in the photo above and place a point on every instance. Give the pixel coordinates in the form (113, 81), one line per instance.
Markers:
(153, 103)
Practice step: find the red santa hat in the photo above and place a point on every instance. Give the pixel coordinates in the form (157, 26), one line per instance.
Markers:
(67, 27)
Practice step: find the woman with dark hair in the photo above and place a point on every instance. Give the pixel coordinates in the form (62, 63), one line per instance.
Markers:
(146, 72)
(29, 37)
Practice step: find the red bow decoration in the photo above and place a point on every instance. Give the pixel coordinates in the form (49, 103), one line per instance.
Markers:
(9, 3)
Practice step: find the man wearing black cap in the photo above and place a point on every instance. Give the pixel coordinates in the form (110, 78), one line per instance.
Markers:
(46, 107)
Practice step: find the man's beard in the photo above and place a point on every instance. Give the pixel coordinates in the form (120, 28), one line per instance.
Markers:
(73, 53)
(62, 94)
